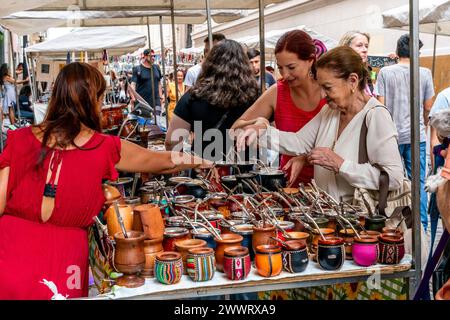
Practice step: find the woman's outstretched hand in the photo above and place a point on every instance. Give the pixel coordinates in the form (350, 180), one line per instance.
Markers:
(294, 167)
(247, 135)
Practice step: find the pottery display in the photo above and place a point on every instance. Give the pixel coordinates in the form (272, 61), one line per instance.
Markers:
(327, 232)
(348, 235)
(392, 230)
(295, 256)
(271, 179)
(168, 267)
(246, 231)
(229, 181)
(299, 236)
(204, 234)
(240, 215)
(173, 235)
(129, 258)
(331, 253)
(183, 247)
(228, 240)
(268, 260)
(225, 226)
(126, 212)
(201, 264)
(365, 251)
(236, 263)
(262, 235)
(287, 226)
(376, 223)
(151, 249)
(392, 248)
(152, 221)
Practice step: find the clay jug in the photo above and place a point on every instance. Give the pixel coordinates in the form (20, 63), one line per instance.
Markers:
(113, 224)
(152, 221)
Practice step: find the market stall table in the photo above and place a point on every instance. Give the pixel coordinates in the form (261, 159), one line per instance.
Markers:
(220, 285)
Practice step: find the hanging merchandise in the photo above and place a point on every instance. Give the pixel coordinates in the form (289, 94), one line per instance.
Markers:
(68, 57)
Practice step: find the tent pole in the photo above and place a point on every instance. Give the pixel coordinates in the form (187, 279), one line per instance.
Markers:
(174, 47)
(151, 71)
(433, 68)
(208, 18)
(13, 59)
(163, 62)
(262, 49)
(415, 135)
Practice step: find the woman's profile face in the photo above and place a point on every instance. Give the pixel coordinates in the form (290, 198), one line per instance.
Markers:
(337, 91)
(293, 70)
(360, 44)
(180, 76)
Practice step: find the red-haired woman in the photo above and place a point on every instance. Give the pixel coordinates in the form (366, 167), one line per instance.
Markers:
(296, 98)
(51, 190)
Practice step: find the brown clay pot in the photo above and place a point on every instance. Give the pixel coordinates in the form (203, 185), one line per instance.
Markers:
(113, 224)
(151, 249)
(300, 236)
(268, 260)
(327, 232)
(262, 236)
(391, 230)
(348, 235)
(129, 258)
(229, 240)
(152, 221)
(184, 246)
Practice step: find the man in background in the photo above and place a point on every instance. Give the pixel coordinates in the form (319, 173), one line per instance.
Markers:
(255, 60)
(393, 89)
(141, 80)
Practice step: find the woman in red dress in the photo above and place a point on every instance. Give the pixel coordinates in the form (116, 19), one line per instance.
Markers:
(295, 100)
(51, 187)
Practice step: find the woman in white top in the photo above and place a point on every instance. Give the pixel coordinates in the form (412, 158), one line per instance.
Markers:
(331, 139)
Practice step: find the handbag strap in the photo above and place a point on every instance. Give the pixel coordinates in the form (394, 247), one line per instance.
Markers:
(363, 157)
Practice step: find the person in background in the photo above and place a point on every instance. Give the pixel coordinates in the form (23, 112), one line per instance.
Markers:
(270, 70)
(26, 110)
(122, 89)
(172, 93)
(359, 41)
(141, 80)
(51, 187)
(22, 76)
(225, 89)
(392, 89)
(294, 101)
(9, 93)
(193, 72)
(255, 59)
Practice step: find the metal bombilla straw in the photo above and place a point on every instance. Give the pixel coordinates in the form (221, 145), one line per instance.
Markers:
(314, 223)
(182, 213)
(276, 223)
(206, 220)
(119, 218)
(351, 226)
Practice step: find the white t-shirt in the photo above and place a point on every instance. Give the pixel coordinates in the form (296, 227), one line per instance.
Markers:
(393, 83)
(192, 75)
(442, 102)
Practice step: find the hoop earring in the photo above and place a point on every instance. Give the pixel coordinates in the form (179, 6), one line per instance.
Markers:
(310, 74)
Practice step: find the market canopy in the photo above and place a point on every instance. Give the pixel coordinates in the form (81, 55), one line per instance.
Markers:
(10, 6)
(117, 41)
(26, 22)
(434, 17)
(272, 37)
(124, 5)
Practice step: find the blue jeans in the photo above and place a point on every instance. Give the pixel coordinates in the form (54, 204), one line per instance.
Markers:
(405, 153)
